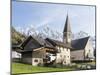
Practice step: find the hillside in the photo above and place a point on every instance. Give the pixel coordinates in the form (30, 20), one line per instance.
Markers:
(16, 37)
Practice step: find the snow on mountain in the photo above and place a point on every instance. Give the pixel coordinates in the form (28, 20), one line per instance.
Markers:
(82, 34)
(42, 31)
(45, 31)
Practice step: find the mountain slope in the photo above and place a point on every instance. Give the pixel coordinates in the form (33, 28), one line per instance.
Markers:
(16, 37)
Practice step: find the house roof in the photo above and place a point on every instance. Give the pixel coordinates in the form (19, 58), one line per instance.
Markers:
(43, 42)
(79, 44)
(16, 47)
(59, 43)
(19, 50)
(39, 40)
(25, 41)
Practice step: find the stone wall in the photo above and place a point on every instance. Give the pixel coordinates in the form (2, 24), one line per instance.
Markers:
(89, 52)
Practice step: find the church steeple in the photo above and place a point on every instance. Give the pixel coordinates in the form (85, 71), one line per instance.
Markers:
(67, 27)
(67, 31)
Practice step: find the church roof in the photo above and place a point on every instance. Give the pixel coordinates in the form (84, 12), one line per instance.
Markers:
(67, 27)
(59, 43)
(79, 44)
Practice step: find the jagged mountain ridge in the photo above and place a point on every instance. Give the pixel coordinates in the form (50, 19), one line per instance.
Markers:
(45, 31)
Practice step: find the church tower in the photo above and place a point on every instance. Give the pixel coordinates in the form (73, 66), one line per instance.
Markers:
(67, 31)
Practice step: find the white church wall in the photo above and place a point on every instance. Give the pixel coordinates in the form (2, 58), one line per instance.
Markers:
(89, 50)
(63, 56)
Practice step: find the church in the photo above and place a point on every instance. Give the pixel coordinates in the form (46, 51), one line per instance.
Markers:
(36, 50)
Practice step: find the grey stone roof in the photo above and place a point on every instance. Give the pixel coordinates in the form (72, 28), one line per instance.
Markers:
(58, 43)
(79, 44)
(43, 42)
(39, 40)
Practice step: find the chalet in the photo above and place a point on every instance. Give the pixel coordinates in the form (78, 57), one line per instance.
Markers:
(36, 50)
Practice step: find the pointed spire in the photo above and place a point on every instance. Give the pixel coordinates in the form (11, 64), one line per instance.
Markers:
(67, 27)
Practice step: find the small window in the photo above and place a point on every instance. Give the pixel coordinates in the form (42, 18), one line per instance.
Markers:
(35, 60)
(60, 55)
(64, 56)
(72, 57)
(68, 56)
(64, 61)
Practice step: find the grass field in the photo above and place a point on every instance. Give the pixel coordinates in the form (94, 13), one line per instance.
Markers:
(18, 68)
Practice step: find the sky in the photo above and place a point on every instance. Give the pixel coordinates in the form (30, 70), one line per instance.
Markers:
(38, 15)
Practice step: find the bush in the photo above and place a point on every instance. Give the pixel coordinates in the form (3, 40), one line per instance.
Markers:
(72, 65)
(16, 59)
(57, 65)
(64, 66)
(78, 66)
(40, 64)
(82, 67)
(88, 67)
